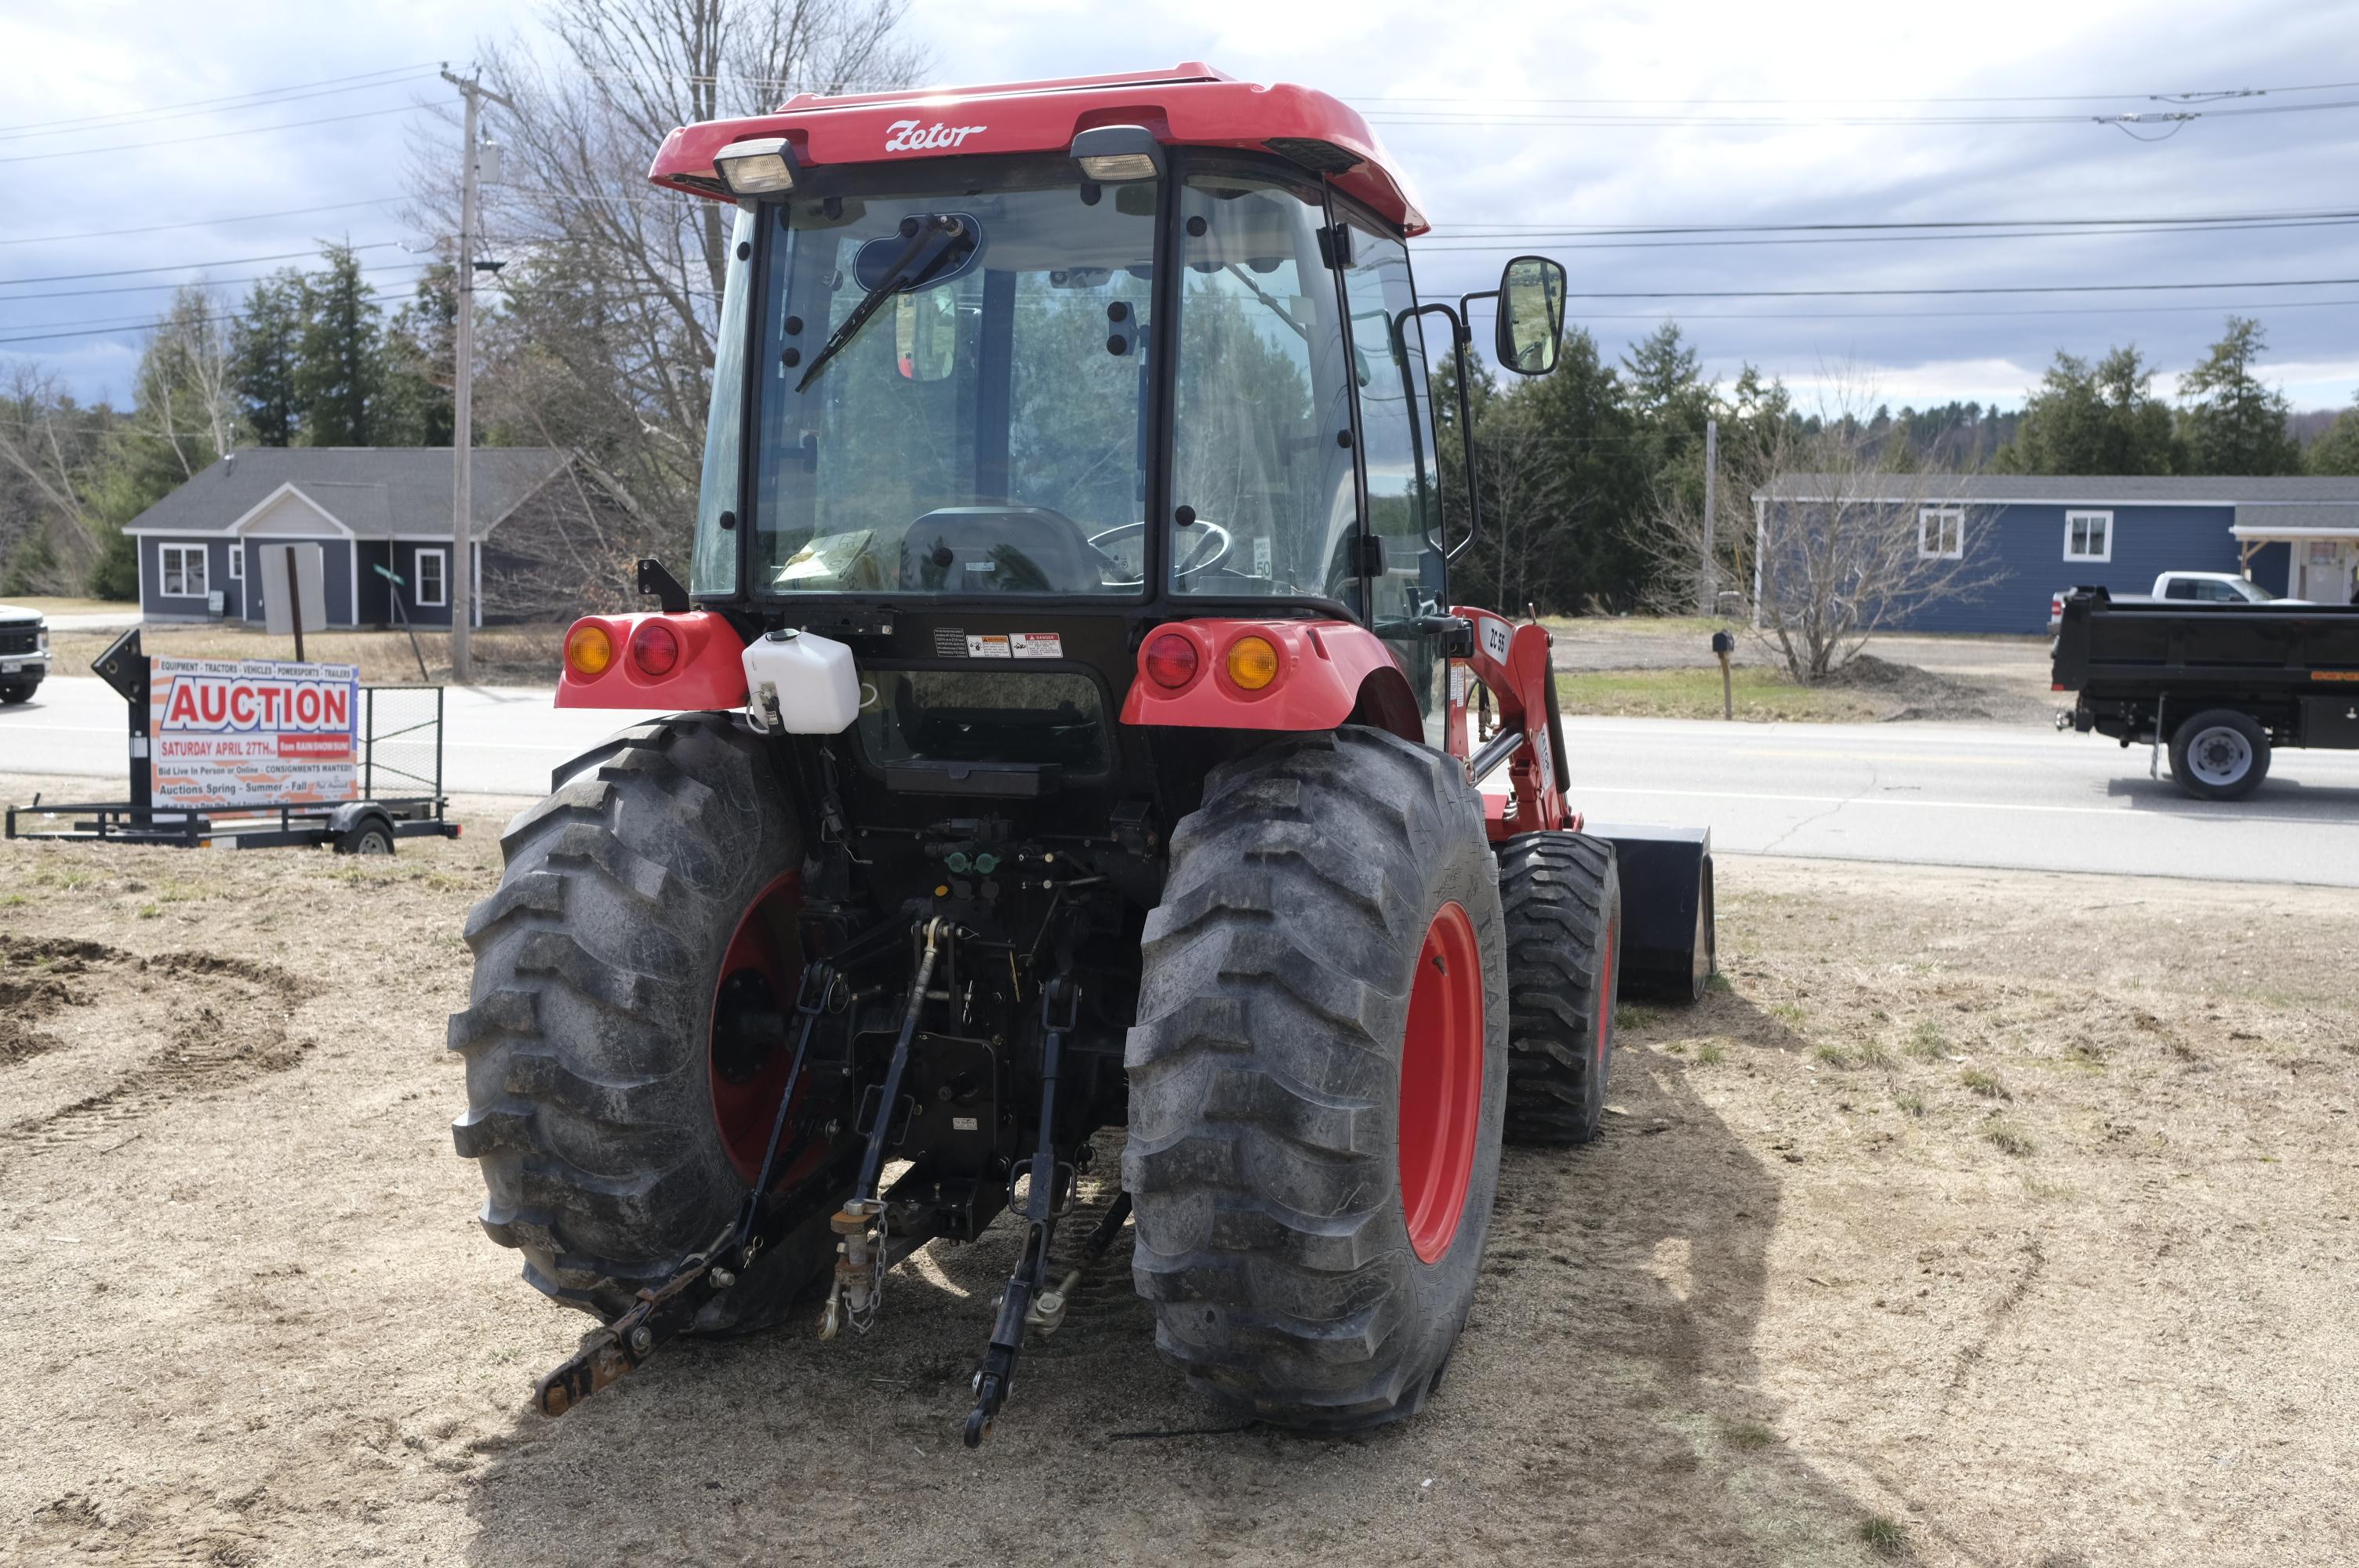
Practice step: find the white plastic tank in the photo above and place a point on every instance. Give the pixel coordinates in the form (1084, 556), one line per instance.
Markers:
(800, 684)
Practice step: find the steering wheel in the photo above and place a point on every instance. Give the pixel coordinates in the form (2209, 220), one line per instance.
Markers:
(1205, 552)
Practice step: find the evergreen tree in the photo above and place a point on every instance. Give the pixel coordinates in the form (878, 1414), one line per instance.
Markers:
(2233, 423)
(2336, 453)
(2094, 420)
(265, 348)
(340, 369)
(414, 406)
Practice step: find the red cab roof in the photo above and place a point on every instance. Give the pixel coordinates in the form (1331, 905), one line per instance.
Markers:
(1189, 106)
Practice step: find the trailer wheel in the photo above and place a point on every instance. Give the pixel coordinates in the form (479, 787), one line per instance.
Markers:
(617, 1120)
(2219, 754)
(372, 836)
(1318, 1077)
(1563, 899)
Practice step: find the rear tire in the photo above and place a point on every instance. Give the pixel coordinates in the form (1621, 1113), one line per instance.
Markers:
(2219, 754)
(590, 1093)
(1563, 899)
(1307, 1234)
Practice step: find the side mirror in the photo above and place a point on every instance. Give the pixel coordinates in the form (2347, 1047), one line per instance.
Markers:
(1531, 315)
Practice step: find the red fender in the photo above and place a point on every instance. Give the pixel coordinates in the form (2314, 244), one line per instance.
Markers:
(708, 675)
(1513, 662)
(1329, 673)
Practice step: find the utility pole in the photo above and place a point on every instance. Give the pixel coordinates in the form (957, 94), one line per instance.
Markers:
(462, 391)
(1708, 584)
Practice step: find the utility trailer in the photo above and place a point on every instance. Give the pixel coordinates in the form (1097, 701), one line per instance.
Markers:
(2222, 686)
(1071, 730)
(395, 742)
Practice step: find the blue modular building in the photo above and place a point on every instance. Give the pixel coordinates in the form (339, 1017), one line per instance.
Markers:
(2024, 538)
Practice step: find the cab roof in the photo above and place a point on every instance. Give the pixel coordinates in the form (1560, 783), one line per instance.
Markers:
(1189, 106)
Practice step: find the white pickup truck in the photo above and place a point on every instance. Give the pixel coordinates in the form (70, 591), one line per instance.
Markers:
(23, 652)
(2186, 588)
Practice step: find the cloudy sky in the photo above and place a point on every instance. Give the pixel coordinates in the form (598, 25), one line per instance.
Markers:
(144, 144)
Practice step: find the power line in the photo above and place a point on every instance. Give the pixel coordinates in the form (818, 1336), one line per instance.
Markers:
(1518, 243)
(1583, 231)
(1792, 122)
(1911, 98)
(1897, 292)
(147, 116)
(200, 222)
(190, 283)
(210, 135)
(185, 266)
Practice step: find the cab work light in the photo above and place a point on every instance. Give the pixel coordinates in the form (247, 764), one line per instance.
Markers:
(1112, 155)
(760, 167)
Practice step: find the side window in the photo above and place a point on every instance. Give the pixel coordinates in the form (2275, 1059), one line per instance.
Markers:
(1261, 398)
(2178, 587)
(1396, 455)
(712, 566)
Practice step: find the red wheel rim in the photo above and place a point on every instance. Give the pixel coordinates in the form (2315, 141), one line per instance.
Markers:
(765, 944)
(1442, 1083)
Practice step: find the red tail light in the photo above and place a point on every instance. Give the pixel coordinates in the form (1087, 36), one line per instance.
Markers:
(1171, 661)
(655, 648)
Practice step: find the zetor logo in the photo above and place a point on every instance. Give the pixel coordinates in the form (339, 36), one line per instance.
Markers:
(904, 136)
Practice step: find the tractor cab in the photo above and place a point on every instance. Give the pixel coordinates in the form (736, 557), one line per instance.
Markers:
(1072, 727)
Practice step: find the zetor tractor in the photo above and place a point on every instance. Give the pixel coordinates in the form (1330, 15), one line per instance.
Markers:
(1071, 729)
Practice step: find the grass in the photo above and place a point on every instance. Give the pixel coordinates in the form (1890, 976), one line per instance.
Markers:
(504, 655)
(2007, 1137)
(56, 605)
(1834, 1056)
(1759, 696)
(1635, 1017)
(1885, 1537)
(1747, 1434)
(1710, 1054)
(1927, 1044)
(1984, 1083)
(1911, 1102)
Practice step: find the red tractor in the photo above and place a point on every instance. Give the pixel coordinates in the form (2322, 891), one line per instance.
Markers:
(1070, 729)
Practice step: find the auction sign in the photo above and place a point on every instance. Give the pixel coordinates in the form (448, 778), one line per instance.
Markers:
(235, 732)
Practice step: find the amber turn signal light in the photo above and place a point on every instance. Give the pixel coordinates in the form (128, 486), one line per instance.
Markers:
(588, 650)
(1253, 663)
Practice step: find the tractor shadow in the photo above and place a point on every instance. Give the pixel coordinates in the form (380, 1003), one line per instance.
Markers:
(1605, 1402)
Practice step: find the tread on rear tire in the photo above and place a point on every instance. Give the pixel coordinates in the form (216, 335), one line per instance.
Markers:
(1265, 1119)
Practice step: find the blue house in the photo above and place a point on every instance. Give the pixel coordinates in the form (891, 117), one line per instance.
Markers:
(367, 507)
(2024, 538)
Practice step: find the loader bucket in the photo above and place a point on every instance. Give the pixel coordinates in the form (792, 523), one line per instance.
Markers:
(1667, 913)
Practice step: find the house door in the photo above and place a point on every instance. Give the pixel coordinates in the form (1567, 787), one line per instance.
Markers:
(2326, 568)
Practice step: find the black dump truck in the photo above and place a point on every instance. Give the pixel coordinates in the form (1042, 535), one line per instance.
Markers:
(2222, 684)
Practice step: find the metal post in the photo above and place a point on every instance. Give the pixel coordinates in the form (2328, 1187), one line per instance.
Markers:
(463, 377)
(295, 600)
(1707, 581)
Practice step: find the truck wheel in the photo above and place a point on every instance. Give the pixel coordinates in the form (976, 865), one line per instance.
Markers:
(618, 1129)
(1563, 904)
(1318, 1077)
(11, 695)
(2219, 754)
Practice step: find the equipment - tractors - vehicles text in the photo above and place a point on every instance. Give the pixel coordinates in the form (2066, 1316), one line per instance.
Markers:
(1071, 729)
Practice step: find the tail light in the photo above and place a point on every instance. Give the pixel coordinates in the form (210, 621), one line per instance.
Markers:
(655, 648)
(1171, 661)
(1253, 663)
(588, 649)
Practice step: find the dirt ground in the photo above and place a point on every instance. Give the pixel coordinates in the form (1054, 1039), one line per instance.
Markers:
(1662, 667)
(1979, 1218)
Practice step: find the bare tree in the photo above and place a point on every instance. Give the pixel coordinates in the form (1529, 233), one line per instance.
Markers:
(1823, 537)
(45, 443)
(610, 297)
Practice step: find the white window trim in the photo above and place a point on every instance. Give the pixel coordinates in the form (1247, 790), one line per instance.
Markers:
(1935, 517)
(237, 560)
(163, 571)
(441, 575)
(2086, 514)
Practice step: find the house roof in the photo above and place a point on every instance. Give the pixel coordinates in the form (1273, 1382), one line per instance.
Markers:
(374, 491)
(2296, 520)
(2073, 490)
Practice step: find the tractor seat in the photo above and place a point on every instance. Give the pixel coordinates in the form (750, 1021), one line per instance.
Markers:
(997, 549)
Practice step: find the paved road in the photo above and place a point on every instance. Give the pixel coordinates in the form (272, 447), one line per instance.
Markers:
(1964, 794)
(1947, 794)
(498, 740)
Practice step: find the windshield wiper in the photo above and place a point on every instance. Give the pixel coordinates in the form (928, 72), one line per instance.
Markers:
(939, 229)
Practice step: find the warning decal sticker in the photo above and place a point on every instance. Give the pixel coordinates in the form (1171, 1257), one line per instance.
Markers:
(1038, 645)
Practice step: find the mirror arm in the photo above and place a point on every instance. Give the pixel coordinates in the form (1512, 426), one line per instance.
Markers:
(1458, 335)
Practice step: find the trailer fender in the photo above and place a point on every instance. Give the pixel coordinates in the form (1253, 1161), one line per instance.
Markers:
(1669, 936)
(354, 820)
(1329, 673)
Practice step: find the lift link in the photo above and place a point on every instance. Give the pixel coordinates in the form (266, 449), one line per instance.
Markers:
(1061, 1004)
(810, 1001)
(860, 1253)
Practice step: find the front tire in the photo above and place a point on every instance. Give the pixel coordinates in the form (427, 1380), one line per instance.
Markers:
(1562, 898)
(1318, 1078)
(2219, 754)
(609, 1142)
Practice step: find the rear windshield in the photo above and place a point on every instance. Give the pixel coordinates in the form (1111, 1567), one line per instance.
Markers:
(959, 716)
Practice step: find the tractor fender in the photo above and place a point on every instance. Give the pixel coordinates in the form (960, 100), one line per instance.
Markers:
(709, 672)
(1330, 673)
